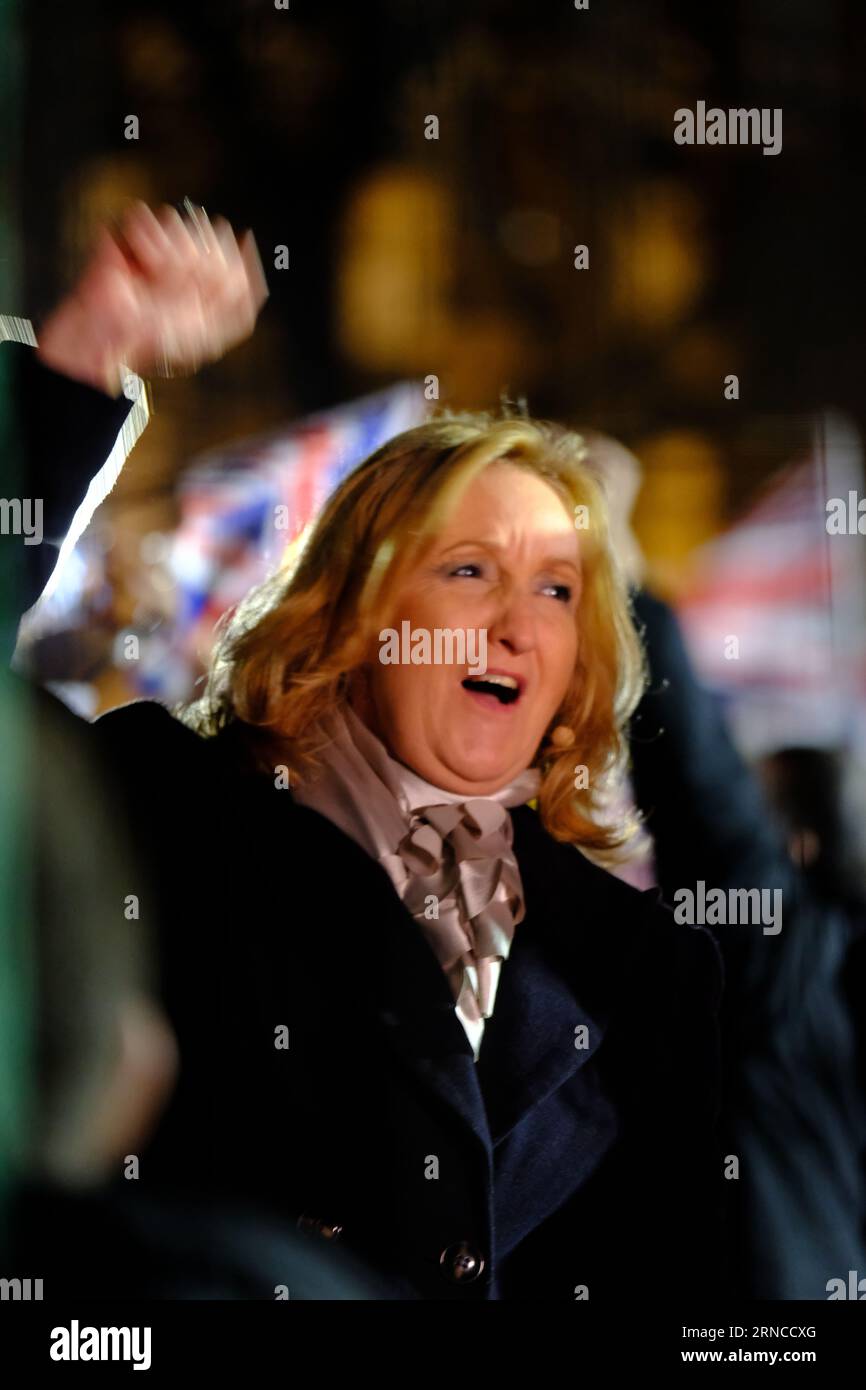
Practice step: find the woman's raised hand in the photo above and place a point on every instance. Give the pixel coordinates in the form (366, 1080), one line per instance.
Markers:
(163, 295)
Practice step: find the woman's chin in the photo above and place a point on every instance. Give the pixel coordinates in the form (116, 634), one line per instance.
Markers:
(480, 770)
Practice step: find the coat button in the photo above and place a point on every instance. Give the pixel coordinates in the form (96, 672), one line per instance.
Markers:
(461, 1263)
(318, 1226)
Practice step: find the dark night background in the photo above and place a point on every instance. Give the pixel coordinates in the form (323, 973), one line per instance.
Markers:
(278, 118)
(454, 256)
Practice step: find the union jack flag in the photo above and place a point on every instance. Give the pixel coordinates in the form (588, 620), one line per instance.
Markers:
(775, 614)
(243, 505)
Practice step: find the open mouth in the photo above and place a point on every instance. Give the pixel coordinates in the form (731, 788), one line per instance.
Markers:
(505, 690)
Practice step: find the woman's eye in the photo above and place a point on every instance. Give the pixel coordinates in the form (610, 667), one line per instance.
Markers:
(472, 570)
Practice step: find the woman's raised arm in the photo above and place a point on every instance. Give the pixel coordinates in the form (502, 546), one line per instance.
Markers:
(161, 295)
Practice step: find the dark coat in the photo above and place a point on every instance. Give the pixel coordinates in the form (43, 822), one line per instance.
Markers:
(792, 1106)
(552, 1164)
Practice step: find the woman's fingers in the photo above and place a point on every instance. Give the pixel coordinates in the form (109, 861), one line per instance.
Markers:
(184, 251)
(164, 294)
(255, 271)
(243, 290)
(203, 231)
(167, 245)
(228, 245)
(147, 239)
(107, 253)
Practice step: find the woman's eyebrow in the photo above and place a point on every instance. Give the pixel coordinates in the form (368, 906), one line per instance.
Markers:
(552, 558)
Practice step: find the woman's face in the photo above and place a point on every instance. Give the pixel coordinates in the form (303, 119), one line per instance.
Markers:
(505, 563)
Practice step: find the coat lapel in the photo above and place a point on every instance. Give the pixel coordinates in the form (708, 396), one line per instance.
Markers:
(544, 1026)
(397, 976)
(583, 938)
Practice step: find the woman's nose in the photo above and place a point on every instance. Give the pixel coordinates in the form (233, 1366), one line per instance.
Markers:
(513, 624)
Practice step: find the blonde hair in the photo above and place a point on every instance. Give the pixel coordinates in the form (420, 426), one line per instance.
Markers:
(285, 656)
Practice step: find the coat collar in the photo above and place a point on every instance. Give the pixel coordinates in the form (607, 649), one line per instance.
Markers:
(562, 984)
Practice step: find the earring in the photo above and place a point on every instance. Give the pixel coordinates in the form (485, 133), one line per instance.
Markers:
(562, 736)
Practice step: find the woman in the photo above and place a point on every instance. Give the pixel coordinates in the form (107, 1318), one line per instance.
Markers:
(411, 1015)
